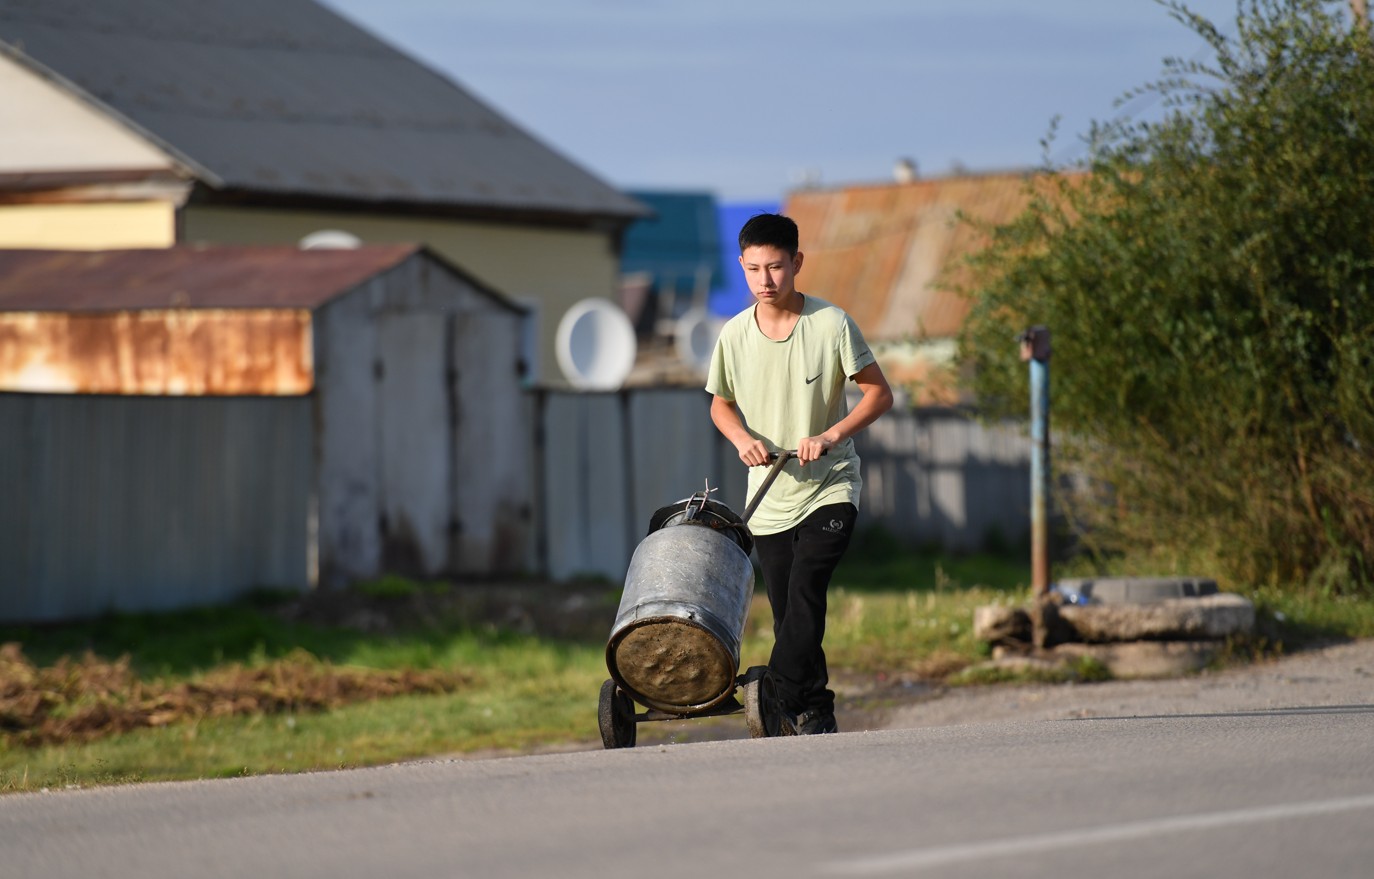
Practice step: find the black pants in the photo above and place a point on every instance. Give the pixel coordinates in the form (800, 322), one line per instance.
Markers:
(797, 565)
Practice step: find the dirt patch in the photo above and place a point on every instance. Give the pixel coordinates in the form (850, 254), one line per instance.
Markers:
(85, 699)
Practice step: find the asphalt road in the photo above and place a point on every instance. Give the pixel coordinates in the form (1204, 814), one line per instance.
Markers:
(1273, 792)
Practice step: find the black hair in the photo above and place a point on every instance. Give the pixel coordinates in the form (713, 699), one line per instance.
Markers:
(769, 230)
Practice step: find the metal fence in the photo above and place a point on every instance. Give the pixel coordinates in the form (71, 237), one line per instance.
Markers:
(143, 503)
(932, 476)
(135, 503)
(941, 477)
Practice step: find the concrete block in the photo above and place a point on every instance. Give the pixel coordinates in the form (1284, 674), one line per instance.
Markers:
(1206, 617)
(996, 623)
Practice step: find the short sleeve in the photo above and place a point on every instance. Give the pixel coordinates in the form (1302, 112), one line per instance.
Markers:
(718, 378)
(854, 351)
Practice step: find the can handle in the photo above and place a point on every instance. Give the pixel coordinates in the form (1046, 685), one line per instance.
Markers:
(779, 459)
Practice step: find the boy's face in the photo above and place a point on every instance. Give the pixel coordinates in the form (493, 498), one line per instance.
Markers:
(771, 273)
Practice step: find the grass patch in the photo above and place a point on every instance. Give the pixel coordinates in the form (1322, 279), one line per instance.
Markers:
(1085, 669)
(185, 643)
(394, 586)
(511, 692)
(1307, 617)
(521, 673)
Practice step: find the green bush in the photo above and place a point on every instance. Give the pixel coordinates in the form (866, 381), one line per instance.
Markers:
(1207, 278)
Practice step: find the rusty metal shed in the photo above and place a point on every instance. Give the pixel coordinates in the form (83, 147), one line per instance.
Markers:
(180, 426)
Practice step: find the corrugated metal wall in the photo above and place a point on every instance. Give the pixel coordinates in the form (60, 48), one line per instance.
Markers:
(931, 476)
(608, 460)
(937, 476)
(140, 503)
(134, 503)
(423, 437)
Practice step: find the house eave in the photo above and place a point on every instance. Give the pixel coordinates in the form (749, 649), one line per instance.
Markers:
(601, 221)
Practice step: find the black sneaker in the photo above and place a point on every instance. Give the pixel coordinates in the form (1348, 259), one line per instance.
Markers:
(817, 721)
(787, 722)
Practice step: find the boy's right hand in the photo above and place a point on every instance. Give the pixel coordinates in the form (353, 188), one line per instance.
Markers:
(754, 453)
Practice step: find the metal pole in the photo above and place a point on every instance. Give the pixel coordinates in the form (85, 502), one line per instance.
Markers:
(1035, 348)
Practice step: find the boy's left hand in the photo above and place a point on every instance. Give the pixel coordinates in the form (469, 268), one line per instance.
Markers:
(811, 448)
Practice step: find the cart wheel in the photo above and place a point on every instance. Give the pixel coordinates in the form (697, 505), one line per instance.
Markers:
(761, 704)
(616, 717)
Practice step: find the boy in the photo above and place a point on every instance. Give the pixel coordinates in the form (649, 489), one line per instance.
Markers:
(777, 377)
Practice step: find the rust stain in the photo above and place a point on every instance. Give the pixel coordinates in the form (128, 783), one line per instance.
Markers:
(208, 352)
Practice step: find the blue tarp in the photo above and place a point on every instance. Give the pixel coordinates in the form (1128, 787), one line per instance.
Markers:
(677, 246)
(731, 295)
(692, 237)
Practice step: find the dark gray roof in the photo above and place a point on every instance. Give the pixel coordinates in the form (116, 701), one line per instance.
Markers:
(287, 98)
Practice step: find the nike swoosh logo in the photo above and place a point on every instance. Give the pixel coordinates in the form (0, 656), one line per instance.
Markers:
(813, 378)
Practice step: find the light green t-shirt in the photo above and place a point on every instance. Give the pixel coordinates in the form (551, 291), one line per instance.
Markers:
(786, 391)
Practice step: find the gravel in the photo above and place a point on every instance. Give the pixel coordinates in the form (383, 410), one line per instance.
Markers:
(1337, 675)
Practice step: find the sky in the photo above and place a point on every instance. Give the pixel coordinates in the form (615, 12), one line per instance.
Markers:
(750, 100)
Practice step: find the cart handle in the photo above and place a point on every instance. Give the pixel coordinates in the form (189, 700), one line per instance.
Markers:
(780, 458)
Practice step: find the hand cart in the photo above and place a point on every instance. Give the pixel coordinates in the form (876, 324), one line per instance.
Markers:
(674, 647)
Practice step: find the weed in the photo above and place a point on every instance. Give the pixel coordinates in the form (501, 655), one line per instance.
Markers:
(393, 586)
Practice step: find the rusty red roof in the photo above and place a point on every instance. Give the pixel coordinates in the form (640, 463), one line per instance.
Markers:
(878, 250)
(187, 277)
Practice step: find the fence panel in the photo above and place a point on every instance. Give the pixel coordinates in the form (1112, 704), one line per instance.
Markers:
(931, 476)
(940, 477)
(144, 503)
(148, 503)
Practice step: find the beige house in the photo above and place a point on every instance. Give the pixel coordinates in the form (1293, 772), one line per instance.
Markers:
(153, 123)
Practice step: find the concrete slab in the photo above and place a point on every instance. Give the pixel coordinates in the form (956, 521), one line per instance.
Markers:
(1214, 617)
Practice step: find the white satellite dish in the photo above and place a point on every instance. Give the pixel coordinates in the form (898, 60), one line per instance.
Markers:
(330, 239)
(595, 345)
(694, 338)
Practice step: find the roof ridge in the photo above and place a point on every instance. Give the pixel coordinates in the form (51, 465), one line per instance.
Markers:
(234, 110)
